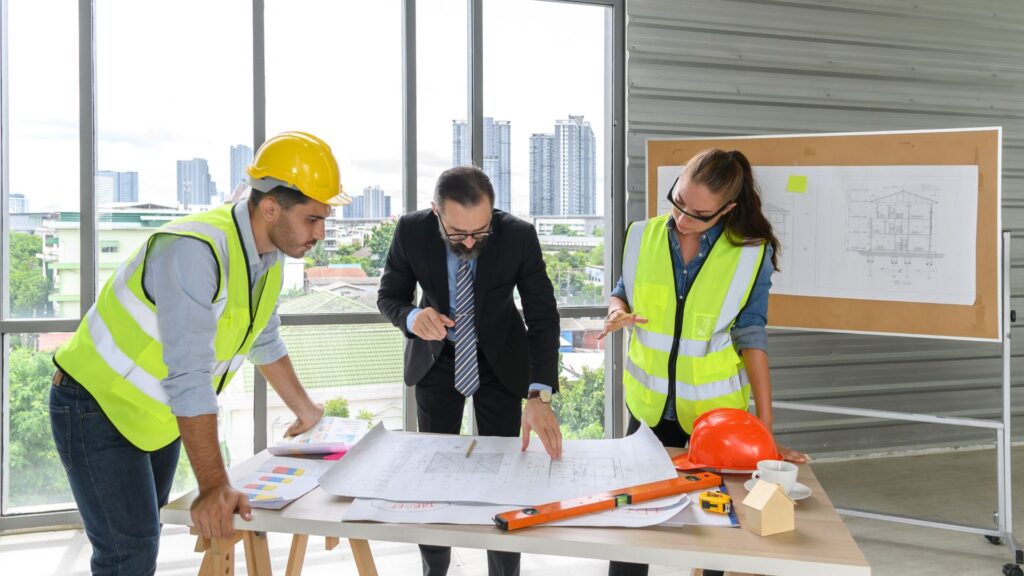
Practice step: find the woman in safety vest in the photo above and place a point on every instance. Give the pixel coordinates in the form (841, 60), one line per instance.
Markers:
(694, 288)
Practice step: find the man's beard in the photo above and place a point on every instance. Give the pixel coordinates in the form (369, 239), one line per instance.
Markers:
(464, 253)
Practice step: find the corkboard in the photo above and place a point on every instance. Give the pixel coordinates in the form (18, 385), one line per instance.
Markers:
(976, 146)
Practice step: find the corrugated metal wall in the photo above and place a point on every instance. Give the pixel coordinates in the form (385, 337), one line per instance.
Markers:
(731, 67)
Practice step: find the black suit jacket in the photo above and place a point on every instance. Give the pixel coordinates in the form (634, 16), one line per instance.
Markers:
(518, 354)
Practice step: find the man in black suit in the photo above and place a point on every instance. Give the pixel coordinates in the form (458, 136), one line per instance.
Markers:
(466, 337)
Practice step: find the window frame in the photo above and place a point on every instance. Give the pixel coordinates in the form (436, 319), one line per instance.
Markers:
(615, 204)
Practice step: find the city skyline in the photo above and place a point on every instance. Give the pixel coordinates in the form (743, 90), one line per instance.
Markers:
(497, 156)
(114, 186)
(563, 170)
(539, 81)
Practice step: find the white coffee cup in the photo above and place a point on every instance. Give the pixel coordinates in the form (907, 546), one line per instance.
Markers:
(777, 471)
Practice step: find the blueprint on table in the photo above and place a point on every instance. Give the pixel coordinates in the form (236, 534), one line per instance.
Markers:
(405, 466)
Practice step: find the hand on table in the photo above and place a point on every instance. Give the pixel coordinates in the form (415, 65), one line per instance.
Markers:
(540, 418)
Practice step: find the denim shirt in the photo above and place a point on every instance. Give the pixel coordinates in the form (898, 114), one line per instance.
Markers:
(749, 329)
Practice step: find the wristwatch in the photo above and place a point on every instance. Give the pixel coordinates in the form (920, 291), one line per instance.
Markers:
(544, 395)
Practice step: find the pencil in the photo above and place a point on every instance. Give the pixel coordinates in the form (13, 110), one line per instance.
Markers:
(472, 445)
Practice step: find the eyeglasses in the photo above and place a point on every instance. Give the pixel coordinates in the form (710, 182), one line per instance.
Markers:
(705, 219)
(459, 237)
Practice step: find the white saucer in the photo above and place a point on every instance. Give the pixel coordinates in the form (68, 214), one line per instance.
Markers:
(799, 491)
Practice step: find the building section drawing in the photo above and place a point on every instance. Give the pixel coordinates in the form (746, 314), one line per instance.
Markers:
(892, 233)
(409, 467)
(895, 233)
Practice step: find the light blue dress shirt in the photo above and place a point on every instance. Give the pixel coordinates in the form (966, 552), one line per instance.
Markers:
(453, 268)
(181, 277)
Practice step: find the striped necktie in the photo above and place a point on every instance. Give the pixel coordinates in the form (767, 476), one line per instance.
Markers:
(467, 376)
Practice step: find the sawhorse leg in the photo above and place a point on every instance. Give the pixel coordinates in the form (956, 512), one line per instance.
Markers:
(361, 553)
(219, 554)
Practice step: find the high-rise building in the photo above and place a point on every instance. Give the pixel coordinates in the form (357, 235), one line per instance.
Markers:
(563, 170)
(577, 176)
(18, 204)
(353, 210)
(543, 183)
(372, 204)
(497, 154)
(241, 156)
(195, 188)
(112, 186)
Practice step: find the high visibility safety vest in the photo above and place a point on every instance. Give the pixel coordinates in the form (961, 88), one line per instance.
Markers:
(116, 353)
(690, 346)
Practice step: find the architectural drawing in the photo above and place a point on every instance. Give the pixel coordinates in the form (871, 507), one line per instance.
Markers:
(401, 466)
(895, 233)
(888, 233)
(458, 463)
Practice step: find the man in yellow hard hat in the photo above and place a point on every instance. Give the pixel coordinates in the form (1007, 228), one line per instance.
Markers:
(166, 334)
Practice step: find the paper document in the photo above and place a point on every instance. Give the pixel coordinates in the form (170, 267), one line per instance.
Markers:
(635, 516)
(405, 466)
(331, 434)
(280, 481)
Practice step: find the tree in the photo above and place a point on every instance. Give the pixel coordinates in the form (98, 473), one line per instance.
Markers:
(379, 244)
(37, 475)
(579, 404)
(596, 256)
(563, 230)
(367, 415)
(29, 286)
(567, 271)
(336, 407)
(318, 256)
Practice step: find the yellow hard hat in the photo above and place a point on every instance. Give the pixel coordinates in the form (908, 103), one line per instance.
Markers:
(300, 161)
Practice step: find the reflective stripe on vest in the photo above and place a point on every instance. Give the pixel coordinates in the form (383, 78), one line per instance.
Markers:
(709, 373)
(117, 353)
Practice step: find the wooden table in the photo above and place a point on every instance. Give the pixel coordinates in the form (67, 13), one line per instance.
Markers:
(821, 544)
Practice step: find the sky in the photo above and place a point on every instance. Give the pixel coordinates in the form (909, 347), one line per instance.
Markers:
(174, 82)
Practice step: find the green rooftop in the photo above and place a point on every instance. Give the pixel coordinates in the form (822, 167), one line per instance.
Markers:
(343, 355)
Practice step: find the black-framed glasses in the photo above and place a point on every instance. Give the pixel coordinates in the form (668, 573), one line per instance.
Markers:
(459, 237)
(704, 219)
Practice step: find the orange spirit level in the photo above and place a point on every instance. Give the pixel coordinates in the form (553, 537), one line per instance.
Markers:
(554, 511)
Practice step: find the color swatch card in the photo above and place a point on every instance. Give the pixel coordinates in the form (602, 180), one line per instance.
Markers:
(280, 481)
(331, 434)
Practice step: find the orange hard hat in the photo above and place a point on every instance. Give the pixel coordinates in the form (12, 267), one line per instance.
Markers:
(728, 439)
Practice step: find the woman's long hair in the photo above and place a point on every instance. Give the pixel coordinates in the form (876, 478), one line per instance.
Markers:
(728, 174)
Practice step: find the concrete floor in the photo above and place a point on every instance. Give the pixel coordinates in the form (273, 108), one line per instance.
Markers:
(956, 487)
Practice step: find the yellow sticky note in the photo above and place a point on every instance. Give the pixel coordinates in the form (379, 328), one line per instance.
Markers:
(797, 184)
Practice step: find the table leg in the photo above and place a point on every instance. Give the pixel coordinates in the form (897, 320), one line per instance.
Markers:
(364, 557)
(297, 555)
(257, 553)
(219, 558)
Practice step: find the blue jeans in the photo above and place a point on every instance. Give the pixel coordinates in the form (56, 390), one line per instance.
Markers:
(118, 487)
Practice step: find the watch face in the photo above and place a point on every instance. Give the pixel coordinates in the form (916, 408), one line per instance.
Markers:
(545, 396)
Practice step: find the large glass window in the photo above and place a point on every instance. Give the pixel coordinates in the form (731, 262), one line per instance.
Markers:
(35, 476)
(43, 165)
(175, 129)
(545, 132)
(442, 98)
(334, 69)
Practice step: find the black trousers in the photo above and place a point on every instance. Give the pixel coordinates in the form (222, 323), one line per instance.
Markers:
(670, 434)
(439, 408)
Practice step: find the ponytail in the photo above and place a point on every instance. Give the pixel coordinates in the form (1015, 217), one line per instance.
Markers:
(729, 174)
